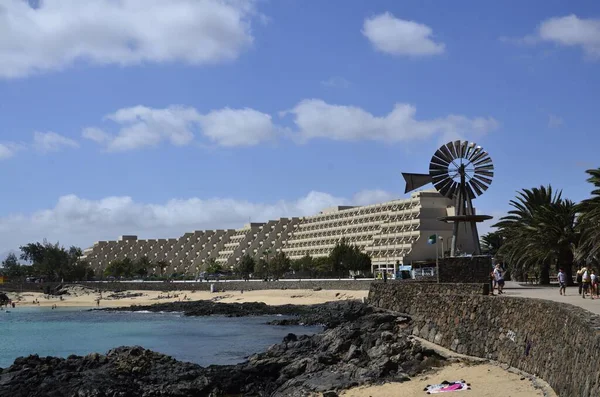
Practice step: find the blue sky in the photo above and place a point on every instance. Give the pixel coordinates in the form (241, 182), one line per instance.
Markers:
(155, 117)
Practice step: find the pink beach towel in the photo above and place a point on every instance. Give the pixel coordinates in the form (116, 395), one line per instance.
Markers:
(446, 387)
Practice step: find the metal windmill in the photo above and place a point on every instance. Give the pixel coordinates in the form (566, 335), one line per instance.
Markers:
(461, 171)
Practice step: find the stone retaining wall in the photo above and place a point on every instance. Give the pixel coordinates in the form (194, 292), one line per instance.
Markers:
(558, 342)
(466, 269)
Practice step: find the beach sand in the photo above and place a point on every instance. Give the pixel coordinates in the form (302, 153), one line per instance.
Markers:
(486, 380)
(81, 297)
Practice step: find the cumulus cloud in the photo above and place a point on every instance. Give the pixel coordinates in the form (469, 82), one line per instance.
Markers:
(400, 37)
(56, 34)
(6, 151)
(52, 142)
(140, 126)
(315, 118)
(238, 127)
(79, 221)
(570, 31)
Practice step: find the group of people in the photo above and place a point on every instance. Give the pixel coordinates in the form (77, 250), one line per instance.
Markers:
(497, 279)
(587, 280)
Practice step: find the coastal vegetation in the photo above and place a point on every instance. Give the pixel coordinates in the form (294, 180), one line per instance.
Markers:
(47, 261)
(544, 231)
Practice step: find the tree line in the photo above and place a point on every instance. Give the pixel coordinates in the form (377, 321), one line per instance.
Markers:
(47, 261)
(544, 231)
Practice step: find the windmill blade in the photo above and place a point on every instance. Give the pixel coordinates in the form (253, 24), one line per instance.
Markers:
(445, 159)
(448, 155)
(453, 188)
(463, 149)
(445, 189)
(434, 166)
(469, 190)
(470, 149)
(435, 161)
(444, 185)
(415, 181)
(489, 167)
(457, 145)
(483, 179)
(479, 184)
(476, 150)
(475, 187)
(478, 156)
(482, 172)
(482, 162)
(450, 146)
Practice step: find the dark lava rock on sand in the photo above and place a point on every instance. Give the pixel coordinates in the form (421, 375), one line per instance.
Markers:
(329, 314)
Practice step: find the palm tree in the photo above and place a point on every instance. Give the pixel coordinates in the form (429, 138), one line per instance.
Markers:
(589, 222)
(491, 242)
(539, 232)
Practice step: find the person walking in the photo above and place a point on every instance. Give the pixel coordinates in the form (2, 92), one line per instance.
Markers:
(585, 282)
(499, 277)
(579, 279)
(593, 284)
(562, 282)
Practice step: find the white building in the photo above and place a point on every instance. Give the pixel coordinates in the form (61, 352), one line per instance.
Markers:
(393, 232)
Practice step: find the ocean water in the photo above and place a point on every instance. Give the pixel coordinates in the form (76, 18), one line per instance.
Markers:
(201, 340)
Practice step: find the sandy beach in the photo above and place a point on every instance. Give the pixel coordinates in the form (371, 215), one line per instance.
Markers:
(486, 380)
(82, 297)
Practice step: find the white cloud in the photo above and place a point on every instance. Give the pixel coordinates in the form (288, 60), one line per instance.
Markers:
(141, 126)
(238, 127)
(6, 151)
(400, 37)
(78, 221)
(315, 118)
(336, 82)
(52, 142)
(96, 135)
(569, 31)
(56, 34)
(554, 121)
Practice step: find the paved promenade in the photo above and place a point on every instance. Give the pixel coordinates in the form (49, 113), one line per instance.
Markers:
(551, 293)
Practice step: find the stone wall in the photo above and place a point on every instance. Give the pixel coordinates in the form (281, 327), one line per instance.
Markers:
(466, 269)
(344, 284)
(558, 342)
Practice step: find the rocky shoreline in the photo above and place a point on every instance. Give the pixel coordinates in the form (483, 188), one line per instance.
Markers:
(361, 345)
(328, 314)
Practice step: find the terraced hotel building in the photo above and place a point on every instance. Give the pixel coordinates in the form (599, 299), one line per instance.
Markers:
(394, 231)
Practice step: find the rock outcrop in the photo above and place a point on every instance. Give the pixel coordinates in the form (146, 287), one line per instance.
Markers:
(362, 345)
(329, 314)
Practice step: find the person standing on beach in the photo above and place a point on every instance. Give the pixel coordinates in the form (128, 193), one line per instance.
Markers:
(562, 282)
(593, 284)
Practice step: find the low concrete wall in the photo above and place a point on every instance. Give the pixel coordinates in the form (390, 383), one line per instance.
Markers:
(555, 341)
(344, 284)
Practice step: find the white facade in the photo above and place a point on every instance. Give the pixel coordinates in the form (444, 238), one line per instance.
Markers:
(391, 232)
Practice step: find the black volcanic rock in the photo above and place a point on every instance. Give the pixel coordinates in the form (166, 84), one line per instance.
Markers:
(329, 314)
(361, 346)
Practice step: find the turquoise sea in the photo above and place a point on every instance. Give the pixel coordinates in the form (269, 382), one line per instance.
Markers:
(201, 340)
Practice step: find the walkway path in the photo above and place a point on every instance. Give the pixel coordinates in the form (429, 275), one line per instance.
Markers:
(551, 293)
